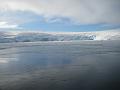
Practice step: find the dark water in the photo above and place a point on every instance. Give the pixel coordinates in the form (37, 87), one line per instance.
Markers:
(86, 65)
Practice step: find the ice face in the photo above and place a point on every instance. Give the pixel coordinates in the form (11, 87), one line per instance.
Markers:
(6, 37)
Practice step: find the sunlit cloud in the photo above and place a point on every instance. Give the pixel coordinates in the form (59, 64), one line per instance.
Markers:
(6, 25)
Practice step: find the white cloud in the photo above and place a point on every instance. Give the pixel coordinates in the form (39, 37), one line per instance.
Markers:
(6, 25)
(78, 11)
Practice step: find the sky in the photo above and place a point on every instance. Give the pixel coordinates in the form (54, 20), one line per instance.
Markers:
(59, 15)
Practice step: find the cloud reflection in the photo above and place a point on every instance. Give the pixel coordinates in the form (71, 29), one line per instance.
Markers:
(7, 60)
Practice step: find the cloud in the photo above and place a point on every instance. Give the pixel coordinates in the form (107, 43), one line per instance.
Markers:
(78, 11)
(6, 25)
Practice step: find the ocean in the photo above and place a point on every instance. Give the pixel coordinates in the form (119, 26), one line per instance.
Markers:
(60, 65)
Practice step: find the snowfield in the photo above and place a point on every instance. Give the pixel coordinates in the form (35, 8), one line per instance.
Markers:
(31, 36)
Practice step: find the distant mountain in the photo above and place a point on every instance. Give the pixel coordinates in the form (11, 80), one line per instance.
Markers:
(12, 36)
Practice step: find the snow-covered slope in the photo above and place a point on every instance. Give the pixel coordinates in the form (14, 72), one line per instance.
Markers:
(13, 36)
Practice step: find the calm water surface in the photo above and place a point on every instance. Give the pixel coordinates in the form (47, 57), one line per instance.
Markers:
(85, 65)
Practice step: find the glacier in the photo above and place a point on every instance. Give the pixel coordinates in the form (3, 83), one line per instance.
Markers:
(33, 36)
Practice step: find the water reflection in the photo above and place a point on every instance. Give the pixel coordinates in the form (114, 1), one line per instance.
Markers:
(8, 55)
(7, 60)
